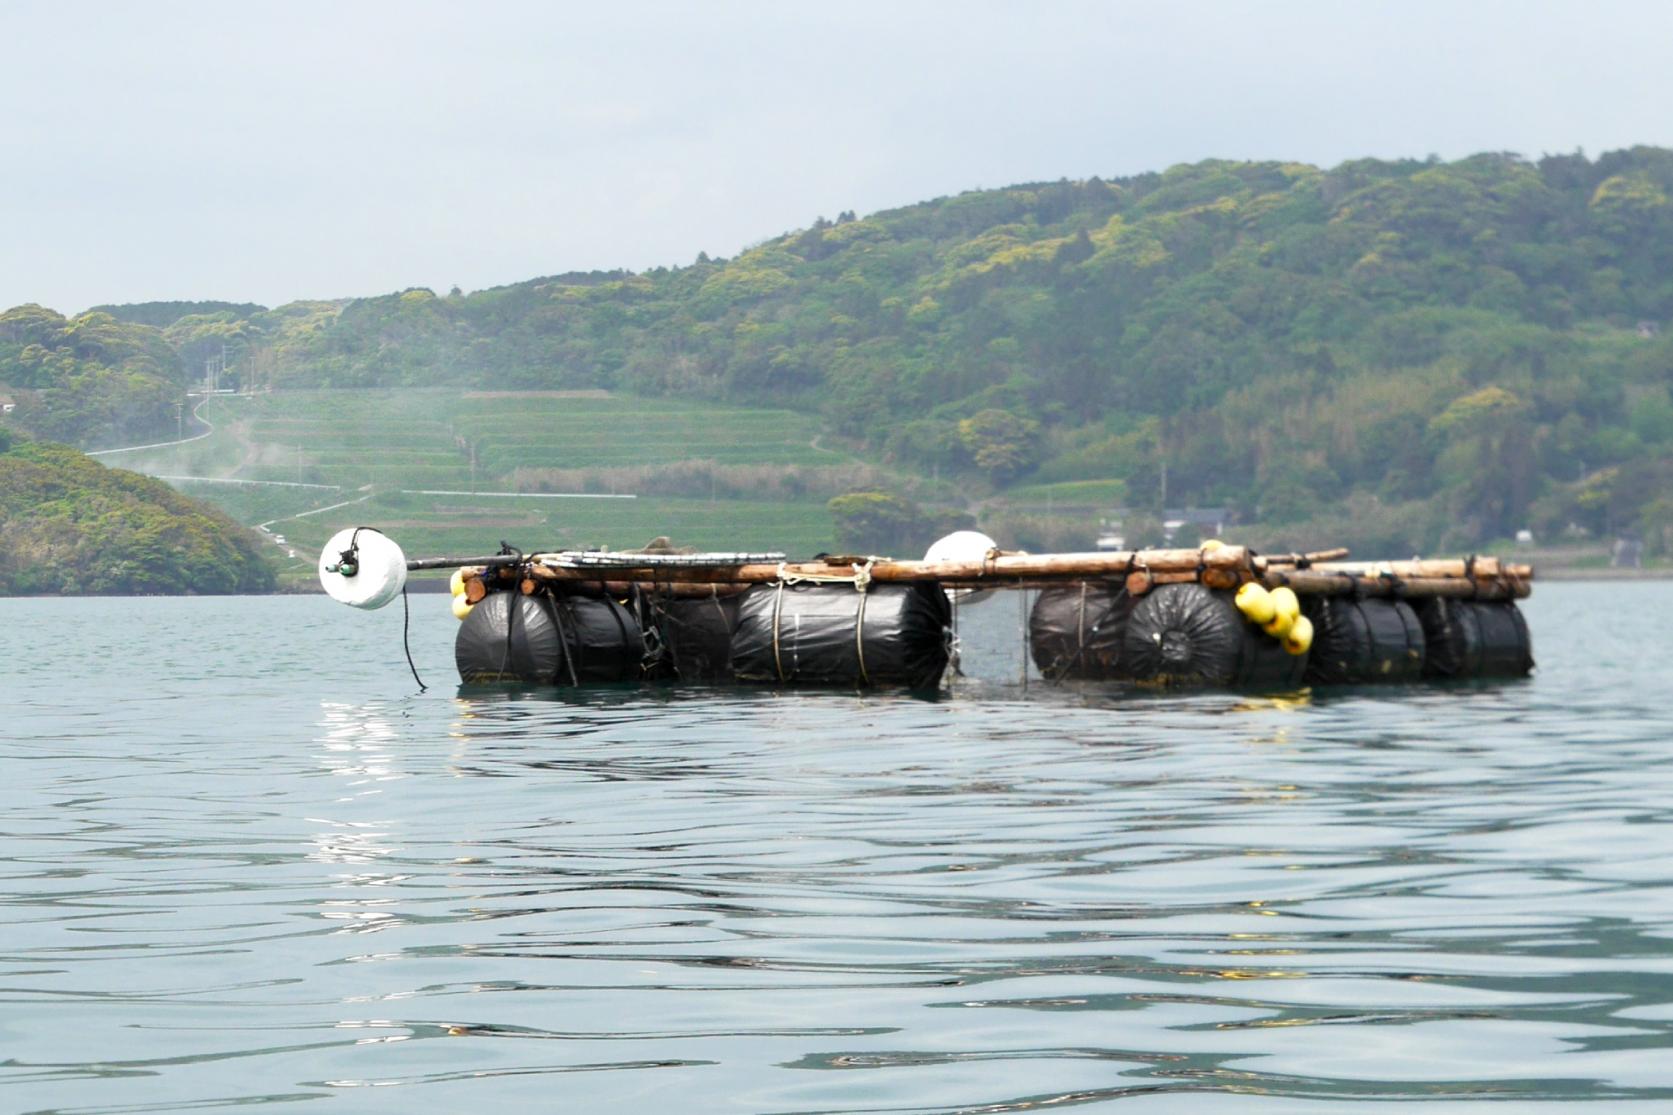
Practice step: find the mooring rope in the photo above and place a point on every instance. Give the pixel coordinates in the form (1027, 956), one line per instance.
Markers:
(406, 643)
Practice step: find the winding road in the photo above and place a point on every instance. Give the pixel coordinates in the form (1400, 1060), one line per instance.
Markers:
(209, 428)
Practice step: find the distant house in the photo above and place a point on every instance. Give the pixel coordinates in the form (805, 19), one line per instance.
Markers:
(1207, 522)
(7, 404)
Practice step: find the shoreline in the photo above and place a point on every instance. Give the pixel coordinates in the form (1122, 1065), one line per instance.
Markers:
(1604, 574)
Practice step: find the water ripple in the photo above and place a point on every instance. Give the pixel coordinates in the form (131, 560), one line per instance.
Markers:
(235, 880)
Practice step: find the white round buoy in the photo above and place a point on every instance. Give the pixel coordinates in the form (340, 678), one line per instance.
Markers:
(961, 545)
(371, 576)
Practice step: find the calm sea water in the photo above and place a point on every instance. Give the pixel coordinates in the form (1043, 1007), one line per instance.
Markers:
(246, 862)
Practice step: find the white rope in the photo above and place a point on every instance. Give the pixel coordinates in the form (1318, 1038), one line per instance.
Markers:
(860, 638)
(860, 578)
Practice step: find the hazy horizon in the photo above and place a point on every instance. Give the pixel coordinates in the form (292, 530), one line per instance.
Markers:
(193, 152)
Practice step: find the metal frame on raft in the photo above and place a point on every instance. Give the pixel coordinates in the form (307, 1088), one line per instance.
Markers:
(1191, 616)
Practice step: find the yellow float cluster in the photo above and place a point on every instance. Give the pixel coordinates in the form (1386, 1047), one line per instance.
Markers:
(456, 585)
(1278, 613)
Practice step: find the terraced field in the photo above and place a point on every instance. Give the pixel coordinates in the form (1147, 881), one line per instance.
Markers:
(404, 461)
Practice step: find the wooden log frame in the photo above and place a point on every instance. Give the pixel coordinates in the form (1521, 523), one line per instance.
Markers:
(1471, 568)
(1313, 582)
(1139, 571)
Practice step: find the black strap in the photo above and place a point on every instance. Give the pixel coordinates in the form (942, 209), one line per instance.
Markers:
(552, 607)
(510, 626)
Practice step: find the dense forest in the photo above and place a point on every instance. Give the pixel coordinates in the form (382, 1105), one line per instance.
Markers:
(1416, 354)
(70, 525)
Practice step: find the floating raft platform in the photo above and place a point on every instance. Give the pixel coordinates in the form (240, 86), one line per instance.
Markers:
(1217, 615)
(1223, 567)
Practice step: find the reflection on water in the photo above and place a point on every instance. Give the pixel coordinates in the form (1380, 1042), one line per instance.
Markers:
(232, 883)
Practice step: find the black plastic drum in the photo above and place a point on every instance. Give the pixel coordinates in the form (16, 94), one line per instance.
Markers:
(832, 634)
(1363, 641)
(696, 636)
(1076, 631)
(1474, 638)
(1192, 635)
(549, 640)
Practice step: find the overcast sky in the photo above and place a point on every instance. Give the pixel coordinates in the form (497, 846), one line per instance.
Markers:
(317, 150)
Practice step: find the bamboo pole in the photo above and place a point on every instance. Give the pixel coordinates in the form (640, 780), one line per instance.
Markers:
(1336, 554)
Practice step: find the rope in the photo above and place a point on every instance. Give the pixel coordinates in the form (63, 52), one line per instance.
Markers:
(1061, 669)
(860, 578)
(621, 628)
(406, 643)
(650, 618)
(778, 611)
(953, 647)
(1080, 622)
(563, 638)
(860, 637)
(510, 625)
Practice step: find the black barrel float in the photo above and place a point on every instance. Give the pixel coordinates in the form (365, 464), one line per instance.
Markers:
(834, 634)
(1188, 634)
(696, 635)
(1075, 631)
(548, 638)
(1359, 640)
(1474, 638)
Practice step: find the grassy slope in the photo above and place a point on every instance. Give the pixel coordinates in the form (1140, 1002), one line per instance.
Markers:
(367, 446)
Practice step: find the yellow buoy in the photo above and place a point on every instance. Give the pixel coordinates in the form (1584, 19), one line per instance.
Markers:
(1300, 636)
(1279, 625)
(461, 606)
(1255, 603)
(1285, 600)
(456, 583)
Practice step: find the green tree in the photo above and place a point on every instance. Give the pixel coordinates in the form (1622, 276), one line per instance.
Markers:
(1001, 444)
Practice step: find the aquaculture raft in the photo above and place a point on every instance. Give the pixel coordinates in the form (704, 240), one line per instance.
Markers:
(1218, 615)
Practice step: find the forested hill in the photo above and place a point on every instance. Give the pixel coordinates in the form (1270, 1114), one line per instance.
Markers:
(70, 525)
(1440, 352)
